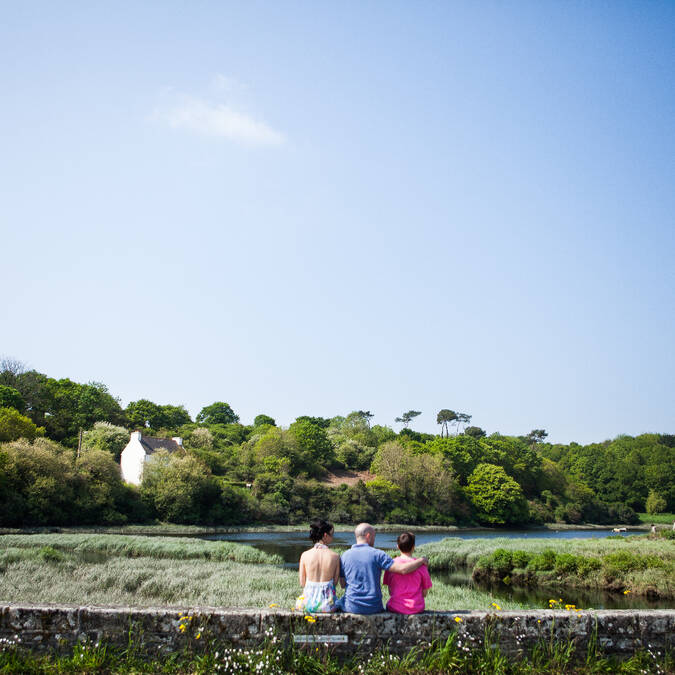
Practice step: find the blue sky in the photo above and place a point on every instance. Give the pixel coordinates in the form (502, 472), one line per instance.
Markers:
(310, 208)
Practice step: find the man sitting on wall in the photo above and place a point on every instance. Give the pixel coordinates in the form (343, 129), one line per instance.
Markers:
(360, 570)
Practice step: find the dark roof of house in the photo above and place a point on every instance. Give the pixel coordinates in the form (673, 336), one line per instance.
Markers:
(151, 444)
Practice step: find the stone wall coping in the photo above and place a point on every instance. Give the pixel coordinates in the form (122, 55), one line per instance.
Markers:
(163, 629)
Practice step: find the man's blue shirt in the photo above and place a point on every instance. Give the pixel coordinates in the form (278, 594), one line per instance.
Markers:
(362, 566)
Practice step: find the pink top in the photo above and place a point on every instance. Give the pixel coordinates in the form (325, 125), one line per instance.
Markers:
(406, 589)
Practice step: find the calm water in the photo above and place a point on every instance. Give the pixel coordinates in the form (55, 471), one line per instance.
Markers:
(289, 545)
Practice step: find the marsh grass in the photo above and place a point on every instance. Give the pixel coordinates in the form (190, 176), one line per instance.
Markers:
(452, 553)
(641, 565)
(26, 577)
(176, 548)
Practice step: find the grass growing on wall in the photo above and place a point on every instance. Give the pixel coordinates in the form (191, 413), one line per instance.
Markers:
(176, 548)
(274, 659)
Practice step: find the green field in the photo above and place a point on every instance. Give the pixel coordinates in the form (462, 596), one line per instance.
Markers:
(657, 518)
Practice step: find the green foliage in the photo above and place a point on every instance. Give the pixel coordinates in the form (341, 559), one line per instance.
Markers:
(474, 432)
(217, 413)
(312, 442)
(50, 554)
(655, 503)
(14, 425)
(179, 488)
(497, 498)
(108, 437)
(407, 417)
(144, 413)
(264, 419)
(11, 398)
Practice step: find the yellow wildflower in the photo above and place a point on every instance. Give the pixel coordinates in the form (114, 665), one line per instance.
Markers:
(198, 636)
(495, 605)
(274, 604)
(310, 619)
(458, 619)
(626, 592)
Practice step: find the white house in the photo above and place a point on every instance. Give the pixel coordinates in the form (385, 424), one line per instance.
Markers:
(139, 450)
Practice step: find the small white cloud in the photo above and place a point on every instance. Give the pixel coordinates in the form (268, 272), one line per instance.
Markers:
(218, 120)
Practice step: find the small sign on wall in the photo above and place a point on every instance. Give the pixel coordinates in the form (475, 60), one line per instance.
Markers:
(328, 639)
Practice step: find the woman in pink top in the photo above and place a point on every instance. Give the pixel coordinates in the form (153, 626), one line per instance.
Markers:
(407, 591)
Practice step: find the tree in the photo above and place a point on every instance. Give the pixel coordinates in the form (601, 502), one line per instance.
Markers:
(144, 413)
(443, 418)
(655, 503)
(264, 419)
(407, 417)
(322, 422)
(108, 437)
(11, 398)
(474, 432)
(497, 498)
(462, 418)
(10, 369)
(312, 441)
(217, 413)
(179, 488)
(366, 415)
(536, 436)
(174, 416)
(14, 425)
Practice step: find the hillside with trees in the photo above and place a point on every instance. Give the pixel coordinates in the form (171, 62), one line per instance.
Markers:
(60, 445)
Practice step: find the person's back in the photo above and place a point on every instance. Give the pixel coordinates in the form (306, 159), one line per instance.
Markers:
(319, 571)
(361, 567)
(407, 591)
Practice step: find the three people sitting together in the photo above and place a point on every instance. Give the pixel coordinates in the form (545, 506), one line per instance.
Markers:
(358, 570)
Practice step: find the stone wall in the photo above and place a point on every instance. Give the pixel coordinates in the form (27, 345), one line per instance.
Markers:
(616, 632)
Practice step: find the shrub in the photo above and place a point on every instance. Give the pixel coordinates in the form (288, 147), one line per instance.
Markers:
(50, 554)
(587, 565)
(566, 563)
(655, 503)
(543, 561)
(502, 561)
(521, 559)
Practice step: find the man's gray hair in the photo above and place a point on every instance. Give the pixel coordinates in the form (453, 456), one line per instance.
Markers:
(362, 529)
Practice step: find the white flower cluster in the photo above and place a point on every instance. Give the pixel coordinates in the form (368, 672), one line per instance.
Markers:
(259, 661)
(9, 643)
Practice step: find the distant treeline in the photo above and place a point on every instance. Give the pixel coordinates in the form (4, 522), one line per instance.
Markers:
(61, 443)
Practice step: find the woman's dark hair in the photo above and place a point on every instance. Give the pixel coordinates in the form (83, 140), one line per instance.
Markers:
(406, 542)
(317, 528)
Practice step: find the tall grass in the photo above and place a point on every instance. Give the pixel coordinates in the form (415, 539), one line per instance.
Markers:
(452, 553)
(27, 575)
(176, 548)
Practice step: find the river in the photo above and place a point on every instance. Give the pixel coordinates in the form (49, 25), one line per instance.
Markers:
(289, 545)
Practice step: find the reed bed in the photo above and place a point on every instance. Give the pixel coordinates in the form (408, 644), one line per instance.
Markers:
(129, 546)
(453, 553)
(182, 583)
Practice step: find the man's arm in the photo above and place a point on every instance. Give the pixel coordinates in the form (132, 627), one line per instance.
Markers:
(406, 567)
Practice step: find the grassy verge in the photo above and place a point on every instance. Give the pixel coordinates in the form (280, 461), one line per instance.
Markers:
(640, 564)
(273, 659)
(175, 548)
(662, 518)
